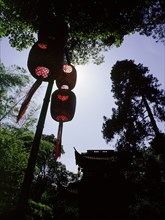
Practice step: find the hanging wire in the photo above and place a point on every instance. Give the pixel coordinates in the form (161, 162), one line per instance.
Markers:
(67, 55)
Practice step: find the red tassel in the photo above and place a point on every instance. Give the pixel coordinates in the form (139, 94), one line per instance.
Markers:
(28, 97)
(59, 140)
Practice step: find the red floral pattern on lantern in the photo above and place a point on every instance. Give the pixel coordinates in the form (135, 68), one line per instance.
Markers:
(67, 68)
(62, 118)
(43, 46)
(42, 71)
(63, 97)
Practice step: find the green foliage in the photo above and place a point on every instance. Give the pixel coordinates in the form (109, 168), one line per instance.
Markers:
(142, 169)
(51, 173)
(39, 211)
(13, 162)
(13, 82)
(15, 146)
(48, 170)
(94, 26)
(11, 25)
(63, 202)
(12, 78)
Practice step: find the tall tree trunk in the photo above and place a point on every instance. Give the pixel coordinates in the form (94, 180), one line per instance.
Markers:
(153, 122)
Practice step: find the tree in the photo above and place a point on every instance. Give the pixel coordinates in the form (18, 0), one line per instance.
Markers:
(144, 173)
(139, 102)
(13, 162)
(45, 199)
(94, 25)
(48, 178)
(48, 170)
(13, 82)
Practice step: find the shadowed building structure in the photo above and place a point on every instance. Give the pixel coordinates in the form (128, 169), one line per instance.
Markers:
(102, 188)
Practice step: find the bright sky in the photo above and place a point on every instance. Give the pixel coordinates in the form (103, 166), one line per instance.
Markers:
(93, 92)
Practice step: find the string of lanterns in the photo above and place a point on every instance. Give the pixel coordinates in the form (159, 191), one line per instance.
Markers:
(46, 63)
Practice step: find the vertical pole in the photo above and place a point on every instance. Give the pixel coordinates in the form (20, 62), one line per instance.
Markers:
(28, 178)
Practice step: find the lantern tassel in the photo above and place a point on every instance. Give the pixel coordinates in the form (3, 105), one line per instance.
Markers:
(59, 141)
(28, 97)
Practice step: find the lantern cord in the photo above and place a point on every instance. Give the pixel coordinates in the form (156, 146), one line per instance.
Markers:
(67, 55)
(28, 97)
(44, 8)
(59, 141)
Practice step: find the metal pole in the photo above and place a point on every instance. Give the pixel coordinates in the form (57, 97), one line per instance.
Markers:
(28, 178)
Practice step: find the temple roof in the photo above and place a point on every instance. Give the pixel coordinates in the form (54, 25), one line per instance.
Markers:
(93, 158)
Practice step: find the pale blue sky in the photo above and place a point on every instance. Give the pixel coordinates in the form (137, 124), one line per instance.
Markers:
(93, 92)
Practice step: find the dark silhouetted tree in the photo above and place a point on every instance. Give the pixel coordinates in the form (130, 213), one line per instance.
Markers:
(140, 103)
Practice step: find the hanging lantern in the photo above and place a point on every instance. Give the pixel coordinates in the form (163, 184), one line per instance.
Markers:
(53, 29)
(63, 103)
(45, 61)
(68, 77)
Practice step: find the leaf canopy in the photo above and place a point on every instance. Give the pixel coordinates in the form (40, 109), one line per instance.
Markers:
(94, 26)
